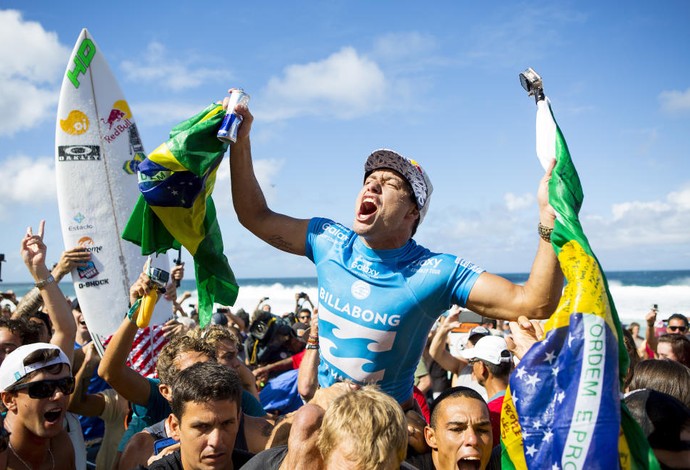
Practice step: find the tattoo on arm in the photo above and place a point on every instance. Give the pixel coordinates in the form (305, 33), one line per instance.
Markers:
(282, 244)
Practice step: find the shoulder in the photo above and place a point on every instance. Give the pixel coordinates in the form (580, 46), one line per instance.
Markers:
(171, 461)
(269, 459)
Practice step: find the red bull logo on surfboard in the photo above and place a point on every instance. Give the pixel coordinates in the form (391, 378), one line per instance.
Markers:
(118, 120)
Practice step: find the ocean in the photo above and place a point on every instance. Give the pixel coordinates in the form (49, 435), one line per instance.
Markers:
(633, 292)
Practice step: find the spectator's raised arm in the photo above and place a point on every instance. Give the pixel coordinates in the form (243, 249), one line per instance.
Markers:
(113, 368)
(33, 252)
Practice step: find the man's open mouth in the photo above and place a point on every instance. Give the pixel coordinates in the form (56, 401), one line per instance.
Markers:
(367, 208)
(53, 416)
(469, 463)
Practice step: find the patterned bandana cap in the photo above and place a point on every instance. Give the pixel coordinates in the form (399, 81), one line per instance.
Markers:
(409, 169)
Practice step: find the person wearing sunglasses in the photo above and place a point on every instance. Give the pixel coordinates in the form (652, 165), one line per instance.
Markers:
(35, 381)
(676, 324)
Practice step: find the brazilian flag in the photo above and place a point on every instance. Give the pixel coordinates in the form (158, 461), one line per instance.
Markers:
(562, 408)
(175, 207)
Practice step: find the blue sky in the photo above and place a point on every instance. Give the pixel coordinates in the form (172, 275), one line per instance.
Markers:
(331, 81)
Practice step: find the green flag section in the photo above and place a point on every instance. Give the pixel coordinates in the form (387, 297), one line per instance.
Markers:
(562, 408)
(175, 207)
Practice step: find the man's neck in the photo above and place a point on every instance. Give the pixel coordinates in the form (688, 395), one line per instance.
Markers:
(29, 447)
(494, 386)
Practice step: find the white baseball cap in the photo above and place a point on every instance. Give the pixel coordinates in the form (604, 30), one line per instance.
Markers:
(13, 368)
(409, 169)
(489, 348)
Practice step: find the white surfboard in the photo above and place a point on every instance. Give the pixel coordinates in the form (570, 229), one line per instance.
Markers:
(97, 150)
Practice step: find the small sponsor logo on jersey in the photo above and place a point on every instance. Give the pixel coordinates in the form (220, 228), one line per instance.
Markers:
(334, 231)
(468, 265)
(79, 153)
(427, 265)
(360, 290)
(360, 264)
(76, 123)
(79, 218)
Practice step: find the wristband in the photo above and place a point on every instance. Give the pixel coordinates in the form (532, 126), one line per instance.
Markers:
(133, 309)
(42, 283)
(312, 346)
(544, 232)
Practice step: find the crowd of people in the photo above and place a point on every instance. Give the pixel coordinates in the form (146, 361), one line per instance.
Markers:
(382, 371)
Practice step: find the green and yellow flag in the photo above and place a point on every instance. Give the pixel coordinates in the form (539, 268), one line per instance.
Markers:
(563, 409)
(175, 207)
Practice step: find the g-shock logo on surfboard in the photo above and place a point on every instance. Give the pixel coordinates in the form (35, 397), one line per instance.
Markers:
(76, 123)
(82, 60)
(79, 153)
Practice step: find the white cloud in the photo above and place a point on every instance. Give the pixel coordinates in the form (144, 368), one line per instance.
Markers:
(639, 224)
(160, 113)
(265, 170)
(30, 70)
(344, 85)
(675, 101)
(399, 46)
(27, 181)
(156, 65)
(516, 203)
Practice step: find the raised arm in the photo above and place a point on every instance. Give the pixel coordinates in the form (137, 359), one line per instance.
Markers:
(113, 368)
(496, 297)
(650, 334)
(437, 348)
(33, 252)
(308, 374)
(283, 232)
(81, 402)
(69, 260)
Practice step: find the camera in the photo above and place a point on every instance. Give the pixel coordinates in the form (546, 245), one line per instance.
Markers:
(302, 295)
(158, 277)
(531, 82)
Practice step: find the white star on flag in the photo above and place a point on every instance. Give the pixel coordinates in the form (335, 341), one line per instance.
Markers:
(555, 371)
(533, 379)
(550, 357)
(548, 435)
(531, 450)
(560, 396)
(555, 467)
(520, 372)
(536, 424)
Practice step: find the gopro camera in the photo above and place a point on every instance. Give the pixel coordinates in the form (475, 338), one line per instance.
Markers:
(159, 277)
(531, 82)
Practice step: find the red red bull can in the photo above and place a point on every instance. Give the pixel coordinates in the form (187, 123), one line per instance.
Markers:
(231, 122)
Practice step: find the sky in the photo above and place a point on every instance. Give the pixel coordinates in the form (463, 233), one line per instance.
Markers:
(331, 81)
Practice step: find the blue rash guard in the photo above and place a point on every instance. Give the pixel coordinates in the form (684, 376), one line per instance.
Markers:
(376, 307)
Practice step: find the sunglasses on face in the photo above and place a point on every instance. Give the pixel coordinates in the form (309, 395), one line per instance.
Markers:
(46, 388)
(678, 328)
(4, 439)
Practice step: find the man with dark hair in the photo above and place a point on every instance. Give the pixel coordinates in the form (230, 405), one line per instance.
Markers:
(676, 324)
(491, 365)
(379, 291)
(459, 432)
(35, 380)
(206, 417)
